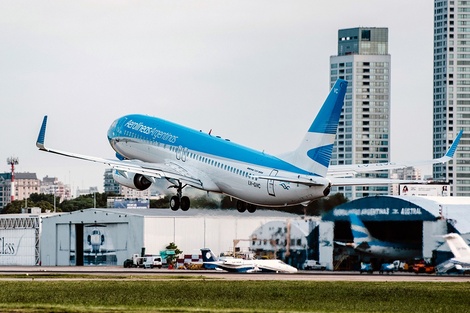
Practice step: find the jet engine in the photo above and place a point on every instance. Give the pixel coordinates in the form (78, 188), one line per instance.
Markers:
(132, 180)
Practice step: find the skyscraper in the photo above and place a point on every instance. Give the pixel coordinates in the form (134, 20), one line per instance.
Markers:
(364, 129)
(452, 92)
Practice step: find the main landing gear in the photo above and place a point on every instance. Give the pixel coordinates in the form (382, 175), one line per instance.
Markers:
(243, 206)
(179, 201)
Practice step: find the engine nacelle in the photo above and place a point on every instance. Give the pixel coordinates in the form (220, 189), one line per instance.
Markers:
(133, 180)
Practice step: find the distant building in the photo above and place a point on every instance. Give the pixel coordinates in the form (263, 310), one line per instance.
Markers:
(364, 127)
(86, 191)
(407, 173)
(451, 96)
(5, 189)
(110, 185)
(25, 185)
(52, 186)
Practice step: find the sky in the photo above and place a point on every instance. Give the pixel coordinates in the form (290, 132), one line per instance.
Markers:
(253, 71)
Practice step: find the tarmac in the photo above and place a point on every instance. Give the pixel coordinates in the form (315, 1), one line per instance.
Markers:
(17, 272)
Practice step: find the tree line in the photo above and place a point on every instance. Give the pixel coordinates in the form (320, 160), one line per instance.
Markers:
(46, 203)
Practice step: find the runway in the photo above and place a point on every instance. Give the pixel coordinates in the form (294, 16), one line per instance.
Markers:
(110, 271)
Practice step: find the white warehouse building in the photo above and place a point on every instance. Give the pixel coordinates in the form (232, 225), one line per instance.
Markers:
(110, 236)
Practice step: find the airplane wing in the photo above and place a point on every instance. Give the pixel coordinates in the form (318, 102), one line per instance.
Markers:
(151, 171)
(353, 169)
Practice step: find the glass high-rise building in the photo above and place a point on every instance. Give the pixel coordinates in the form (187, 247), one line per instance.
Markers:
(364, 129)
(452, 92)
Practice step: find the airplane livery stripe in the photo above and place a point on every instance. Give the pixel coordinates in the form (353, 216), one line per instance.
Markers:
(321, 155)
(196, 141)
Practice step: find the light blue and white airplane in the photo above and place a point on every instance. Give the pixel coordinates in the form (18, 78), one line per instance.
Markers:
(149, 148)
(364, 242)
(236, 265)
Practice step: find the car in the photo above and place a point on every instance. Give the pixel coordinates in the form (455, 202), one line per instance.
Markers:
(313, 265)
(366, 268)
(387, 268)
(152, 261)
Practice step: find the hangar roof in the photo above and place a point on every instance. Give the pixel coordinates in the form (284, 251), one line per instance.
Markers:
(409, 208)
(200, 212)
(192, 213)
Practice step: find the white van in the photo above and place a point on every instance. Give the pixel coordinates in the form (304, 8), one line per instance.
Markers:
(152, 261)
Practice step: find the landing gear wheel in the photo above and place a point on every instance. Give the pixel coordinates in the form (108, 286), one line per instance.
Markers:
(241, 206)
(175, 203)
(184, 203)
(251, 208)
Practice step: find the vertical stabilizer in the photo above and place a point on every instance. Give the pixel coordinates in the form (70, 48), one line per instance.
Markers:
(457, 245)
(359, 230)
(208, 255)
(314, 152)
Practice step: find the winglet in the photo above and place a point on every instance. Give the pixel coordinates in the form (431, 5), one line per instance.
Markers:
(42, 134)
(453, 147)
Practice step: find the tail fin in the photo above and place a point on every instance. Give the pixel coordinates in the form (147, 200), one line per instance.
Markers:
(359, 230)
(457, 245)
(208, 255)
(314, 152)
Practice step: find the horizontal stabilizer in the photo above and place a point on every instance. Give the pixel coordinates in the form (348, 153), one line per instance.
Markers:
(352, 170)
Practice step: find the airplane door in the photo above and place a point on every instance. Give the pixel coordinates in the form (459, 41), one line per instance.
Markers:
(79, 244)
(271, 183)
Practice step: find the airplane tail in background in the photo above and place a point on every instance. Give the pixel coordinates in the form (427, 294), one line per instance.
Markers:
(314, 152)
(359, 230)
(208, 255)
(457, 245)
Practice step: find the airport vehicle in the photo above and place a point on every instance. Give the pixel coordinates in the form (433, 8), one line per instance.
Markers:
(387, 268)
(422, 266)
(148, 261)
(152, 261)
(400, 265)
(366, 268)
(149, 148)
(364, 242)
(313, 265)
(236, 265)
(461, 251)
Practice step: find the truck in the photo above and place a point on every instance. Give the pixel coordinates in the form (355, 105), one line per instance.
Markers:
(313, 265)
(148, 261)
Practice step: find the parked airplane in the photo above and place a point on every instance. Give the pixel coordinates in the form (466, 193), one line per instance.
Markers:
(149, 148)
(364, 242)
(244, 266)
(461, 251)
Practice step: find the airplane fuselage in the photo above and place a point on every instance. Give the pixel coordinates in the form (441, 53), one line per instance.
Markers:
(391, 250)
(220, 165)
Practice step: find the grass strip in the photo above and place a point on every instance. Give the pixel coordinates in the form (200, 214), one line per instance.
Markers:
(232, 296)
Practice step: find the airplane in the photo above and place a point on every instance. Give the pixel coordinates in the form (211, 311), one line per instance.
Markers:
(236, 265)
(364, 242)
(149, 148)
(461, 251)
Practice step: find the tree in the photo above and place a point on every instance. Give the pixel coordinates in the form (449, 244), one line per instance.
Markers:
(171, 258)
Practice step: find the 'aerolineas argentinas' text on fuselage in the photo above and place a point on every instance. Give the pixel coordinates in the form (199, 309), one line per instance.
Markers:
(154, 132)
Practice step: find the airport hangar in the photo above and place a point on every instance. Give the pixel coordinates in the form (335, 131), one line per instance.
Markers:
(110, 236)
(416, 219)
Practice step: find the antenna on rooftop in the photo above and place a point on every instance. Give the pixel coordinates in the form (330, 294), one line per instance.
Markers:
(12, 161)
